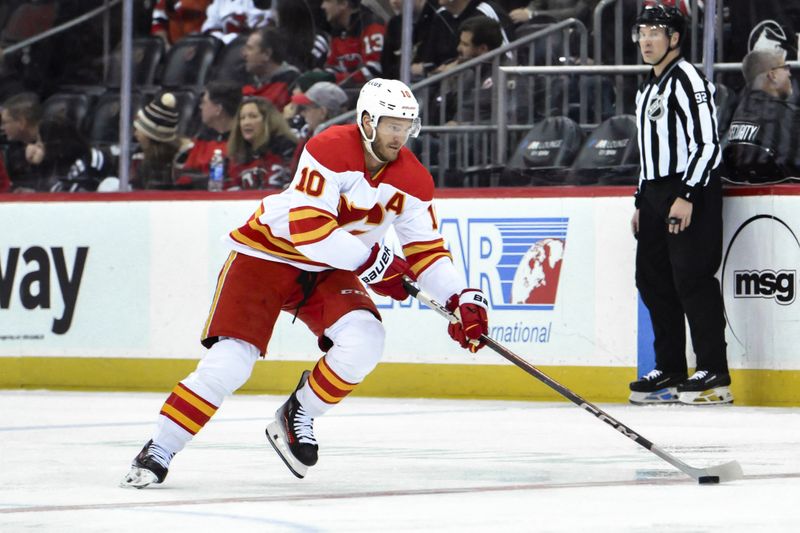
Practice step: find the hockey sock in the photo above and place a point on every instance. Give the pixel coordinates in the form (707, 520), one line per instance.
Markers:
(323, 390)
(187, 410)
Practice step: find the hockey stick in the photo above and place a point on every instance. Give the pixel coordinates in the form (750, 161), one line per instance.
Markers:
(713, 474)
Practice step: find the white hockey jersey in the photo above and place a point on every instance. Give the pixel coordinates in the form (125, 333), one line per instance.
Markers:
(334, 211)
(227, 19)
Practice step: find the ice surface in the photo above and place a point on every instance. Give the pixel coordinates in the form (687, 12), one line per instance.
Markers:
(397, 465)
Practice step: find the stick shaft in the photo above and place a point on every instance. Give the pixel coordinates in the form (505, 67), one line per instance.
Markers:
(414, 291)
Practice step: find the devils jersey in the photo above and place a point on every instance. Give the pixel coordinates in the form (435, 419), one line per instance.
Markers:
(227, 19)
(334, 211)
(355, 52)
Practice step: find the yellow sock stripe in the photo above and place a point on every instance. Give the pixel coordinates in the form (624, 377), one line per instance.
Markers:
(334, 380)
(194, 401)
(319, 391)
(192, 426)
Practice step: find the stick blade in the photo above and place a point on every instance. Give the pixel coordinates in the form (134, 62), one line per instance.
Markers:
(730, 471)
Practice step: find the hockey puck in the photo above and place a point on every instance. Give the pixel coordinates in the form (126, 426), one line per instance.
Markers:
(708, 480)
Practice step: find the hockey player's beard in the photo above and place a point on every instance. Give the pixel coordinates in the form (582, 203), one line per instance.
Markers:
(386, 153)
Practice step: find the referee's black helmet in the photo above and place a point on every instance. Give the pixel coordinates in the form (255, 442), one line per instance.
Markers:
(660, 15)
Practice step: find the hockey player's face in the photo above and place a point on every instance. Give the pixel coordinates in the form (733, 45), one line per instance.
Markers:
(653, 43)
(391, 137)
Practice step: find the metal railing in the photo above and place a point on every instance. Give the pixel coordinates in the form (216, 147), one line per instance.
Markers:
(442, 142)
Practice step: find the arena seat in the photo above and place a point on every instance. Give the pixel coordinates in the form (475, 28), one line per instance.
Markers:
(189, 118)
(545, 154)
(751, 163)
(188, 62)
(71, 106)
(610, 155)
(147, 53)
(229, 63)
(103, 126)
(28, 19)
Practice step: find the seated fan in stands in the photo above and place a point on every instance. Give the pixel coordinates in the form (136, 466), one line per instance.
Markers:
(260, 147)
(764, 136)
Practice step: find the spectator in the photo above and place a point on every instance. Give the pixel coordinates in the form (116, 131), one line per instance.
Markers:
(357, 42)
(172, 19)
(265, 60)
(553, 11)
(218, 107)
(67, 160)
(310, 44)
(227, 19)
(322, 101)
(442, 45)
(424, 13)
(477, 36)
(155, 129)
(260, 147)
(765, 116)
(19, 121)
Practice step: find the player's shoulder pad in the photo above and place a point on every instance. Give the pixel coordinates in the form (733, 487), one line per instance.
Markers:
(338, 148)
(407, 174)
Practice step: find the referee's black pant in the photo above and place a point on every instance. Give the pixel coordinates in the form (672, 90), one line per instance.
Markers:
(675, 276)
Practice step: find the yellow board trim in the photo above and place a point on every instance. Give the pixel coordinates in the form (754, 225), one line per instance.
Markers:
(391, 380)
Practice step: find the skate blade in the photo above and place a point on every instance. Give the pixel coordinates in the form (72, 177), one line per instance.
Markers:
(138, 478)
(662, 396)
(277, 439)
(715, 396)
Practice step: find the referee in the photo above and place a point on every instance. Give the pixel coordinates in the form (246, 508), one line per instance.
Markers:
(678, 218)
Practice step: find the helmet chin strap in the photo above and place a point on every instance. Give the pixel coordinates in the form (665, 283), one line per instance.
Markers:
(368, 142)
(670, 48)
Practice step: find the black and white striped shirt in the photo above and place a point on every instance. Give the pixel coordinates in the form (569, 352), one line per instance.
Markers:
(677, 122)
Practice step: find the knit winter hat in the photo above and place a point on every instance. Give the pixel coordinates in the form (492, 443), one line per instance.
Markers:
(159, 119)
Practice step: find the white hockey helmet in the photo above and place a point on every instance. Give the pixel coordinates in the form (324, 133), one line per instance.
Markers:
(387, 98)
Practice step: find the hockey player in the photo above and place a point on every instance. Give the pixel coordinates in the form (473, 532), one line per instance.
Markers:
(307, 251)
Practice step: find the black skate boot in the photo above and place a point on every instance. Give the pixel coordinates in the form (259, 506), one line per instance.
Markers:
(655, 387)
(292, 434)
(706, 388)
(147, 467)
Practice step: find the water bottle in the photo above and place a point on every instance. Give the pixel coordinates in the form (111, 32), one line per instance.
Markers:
(216, 172)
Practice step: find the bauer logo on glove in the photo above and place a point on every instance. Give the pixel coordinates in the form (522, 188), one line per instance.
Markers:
(471, 309)
(383, 272)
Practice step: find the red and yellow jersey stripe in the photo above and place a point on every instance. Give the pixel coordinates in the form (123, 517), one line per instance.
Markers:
(308, 225)
(422, 254)
(258, 236)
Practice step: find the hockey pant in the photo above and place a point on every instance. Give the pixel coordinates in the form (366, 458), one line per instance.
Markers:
(357, 337)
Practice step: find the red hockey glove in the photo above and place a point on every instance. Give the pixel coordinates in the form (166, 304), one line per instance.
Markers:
(470, 307)
(383, 272)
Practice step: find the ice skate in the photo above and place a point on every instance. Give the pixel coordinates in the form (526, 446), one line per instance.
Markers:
(655, 387)
(706, 388)
(291, 434)
(145, 469)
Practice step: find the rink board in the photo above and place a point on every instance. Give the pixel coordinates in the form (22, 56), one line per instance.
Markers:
(113, 294)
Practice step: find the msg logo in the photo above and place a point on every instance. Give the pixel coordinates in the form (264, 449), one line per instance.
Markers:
(779, 285)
